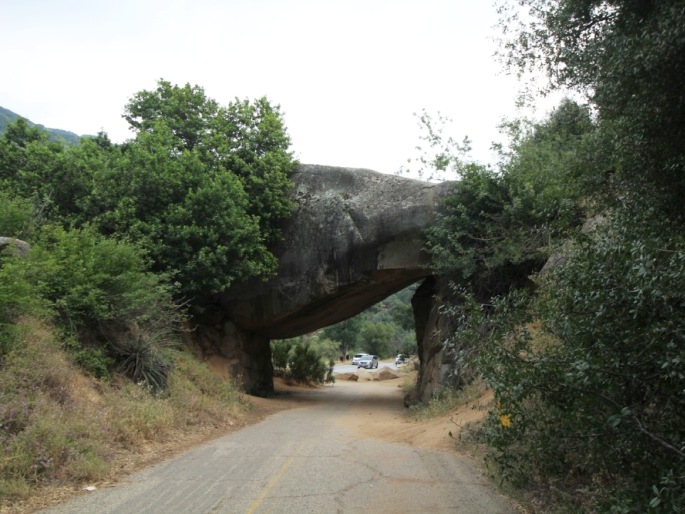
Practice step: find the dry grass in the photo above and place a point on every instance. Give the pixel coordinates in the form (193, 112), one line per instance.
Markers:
(448, 400)
(61, 430)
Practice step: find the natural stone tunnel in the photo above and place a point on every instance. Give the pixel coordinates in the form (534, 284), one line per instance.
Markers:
(355, 238)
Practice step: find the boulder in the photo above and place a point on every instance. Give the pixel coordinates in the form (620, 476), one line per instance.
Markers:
(16, 246)
(387, 374)
(355, 238)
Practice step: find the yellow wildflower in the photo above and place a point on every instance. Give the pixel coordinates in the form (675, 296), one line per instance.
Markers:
(505, 420)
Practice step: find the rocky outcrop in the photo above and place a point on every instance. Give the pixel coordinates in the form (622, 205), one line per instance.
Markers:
(431, 326)
(15, 246)
(355, 238)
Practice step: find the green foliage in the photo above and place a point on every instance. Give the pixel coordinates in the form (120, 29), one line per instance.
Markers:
(19, 294)
(56, 177)
(377, 337)
(346, 333)
(305, 366)
(91, 278)
(387, 326)
(586, 359)
(497, 228)
(588, 375)
(110, 307)
(629, 58)
(245, 139)
(202, 188)
(304, 362)
(192, 220)
(280, 352)
(17, 216)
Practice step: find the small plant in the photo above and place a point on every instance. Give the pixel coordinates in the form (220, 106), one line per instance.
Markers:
(304, 364)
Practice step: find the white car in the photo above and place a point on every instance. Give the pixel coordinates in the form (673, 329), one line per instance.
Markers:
(357, 357)
(368, 362)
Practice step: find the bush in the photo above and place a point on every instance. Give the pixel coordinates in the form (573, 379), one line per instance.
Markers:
(302, 362)
(111, 310)
(280, 352)
(306, 367)
(17, 217)
(592, 393)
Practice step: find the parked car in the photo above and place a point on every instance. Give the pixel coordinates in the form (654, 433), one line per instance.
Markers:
(357, 357)
(368, 362)
(401, 359)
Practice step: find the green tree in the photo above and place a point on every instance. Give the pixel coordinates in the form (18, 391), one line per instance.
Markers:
(628, 57)
(192, 221)
(55, 176)
(345, 333)
(587, 372)
(497, 228)
(186, 112)
(246, 139)
(377, 338)
(17, 216)
(305, 359)
(202, 187)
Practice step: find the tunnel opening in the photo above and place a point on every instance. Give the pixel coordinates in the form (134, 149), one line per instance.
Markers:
(388, 331)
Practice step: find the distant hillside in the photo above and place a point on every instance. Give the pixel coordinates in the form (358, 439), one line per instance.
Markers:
(7, 117)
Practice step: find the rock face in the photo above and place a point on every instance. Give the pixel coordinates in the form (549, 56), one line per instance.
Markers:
(355, 239)
(17, 246)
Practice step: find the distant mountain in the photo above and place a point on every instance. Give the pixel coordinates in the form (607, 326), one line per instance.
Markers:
(7, 117)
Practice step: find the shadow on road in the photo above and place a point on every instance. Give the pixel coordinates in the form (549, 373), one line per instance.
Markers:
(375, 396)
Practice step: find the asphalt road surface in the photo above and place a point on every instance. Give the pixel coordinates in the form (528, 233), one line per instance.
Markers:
(305, 460)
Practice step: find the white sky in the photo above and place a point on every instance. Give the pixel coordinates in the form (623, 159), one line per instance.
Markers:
(347, 74)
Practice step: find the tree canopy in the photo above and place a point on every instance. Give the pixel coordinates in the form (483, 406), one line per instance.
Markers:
(201, 187)
(122, 234)
(586, 358)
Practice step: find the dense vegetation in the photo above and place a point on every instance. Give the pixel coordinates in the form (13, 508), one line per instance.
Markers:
(125, 240)
(586, 358)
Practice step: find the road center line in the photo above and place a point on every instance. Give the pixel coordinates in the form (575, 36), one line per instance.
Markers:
(279, 474)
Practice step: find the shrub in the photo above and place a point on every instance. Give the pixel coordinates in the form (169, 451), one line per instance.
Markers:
(111, 310)
(280, 352)
(16, 216)
(592, 394)
(304, 364)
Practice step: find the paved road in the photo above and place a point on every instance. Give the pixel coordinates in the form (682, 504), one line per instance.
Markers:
(349, 368)
(304, 460)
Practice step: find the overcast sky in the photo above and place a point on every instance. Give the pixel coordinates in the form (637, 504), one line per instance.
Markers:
(347, 74)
